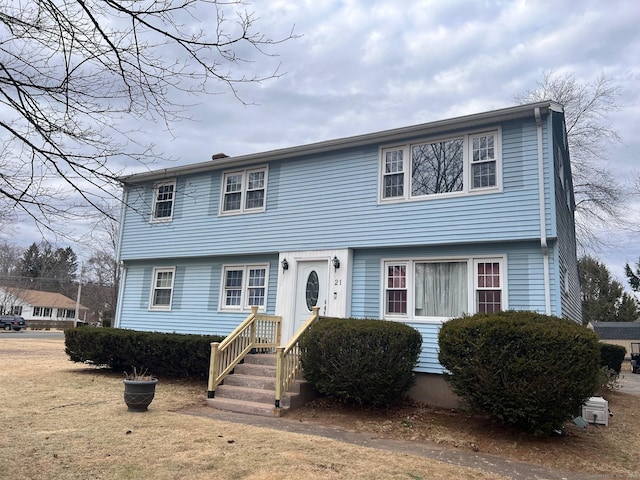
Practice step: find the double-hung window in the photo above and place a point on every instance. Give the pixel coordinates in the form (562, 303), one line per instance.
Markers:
(244, 286)
(483, 161)
(163, 199)
(461, 164)
(436, 290)
(162, 288)
(244, 191)
(488, 288)
(393, 176)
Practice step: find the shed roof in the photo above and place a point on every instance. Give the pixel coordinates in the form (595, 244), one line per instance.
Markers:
(617, 330)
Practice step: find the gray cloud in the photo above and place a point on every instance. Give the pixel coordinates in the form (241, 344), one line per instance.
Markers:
(361, 66)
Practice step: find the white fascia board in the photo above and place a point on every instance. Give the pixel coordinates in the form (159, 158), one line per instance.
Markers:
(382, 137)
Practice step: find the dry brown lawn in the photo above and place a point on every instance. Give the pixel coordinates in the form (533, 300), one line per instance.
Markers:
(68, 421)
(612, 451)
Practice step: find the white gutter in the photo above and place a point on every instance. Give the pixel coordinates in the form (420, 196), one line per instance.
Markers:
(123, 281)
(383, 137)
(120, 265)
(543, 216)
(123, 208)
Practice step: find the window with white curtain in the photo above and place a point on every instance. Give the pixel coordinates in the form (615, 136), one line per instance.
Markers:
(439, 289)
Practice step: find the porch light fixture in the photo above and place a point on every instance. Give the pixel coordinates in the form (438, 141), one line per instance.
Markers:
(336, 263)
(285, 265)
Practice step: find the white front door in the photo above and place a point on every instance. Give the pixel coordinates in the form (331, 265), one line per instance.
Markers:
(312, 283)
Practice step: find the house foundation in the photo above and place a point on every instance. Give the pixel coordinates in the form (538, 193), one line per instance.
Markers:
(432, 389)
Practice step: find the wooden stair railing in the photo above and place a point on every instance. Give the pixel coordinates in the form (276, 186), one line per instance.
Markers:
(260, 332)
(288, 359)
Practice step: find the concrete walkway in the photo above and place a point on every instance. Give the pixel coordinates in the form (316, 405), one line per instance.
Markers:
(488, 463)
(629, 383)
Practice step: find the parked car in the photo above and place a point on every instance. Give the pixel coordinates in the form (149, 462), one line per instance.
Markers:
(15, 322)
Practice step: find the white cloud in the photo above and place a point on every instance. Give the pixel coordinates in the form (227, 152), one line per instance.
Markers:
(361, 66)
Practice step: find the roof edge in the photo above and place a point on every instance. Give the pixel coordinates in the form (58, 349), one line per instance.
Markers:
(383, 136)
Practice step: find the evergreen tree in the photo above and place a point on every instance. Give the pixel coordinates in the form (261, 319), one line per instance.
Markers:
(49, 269)
(633, 276)
(603, 299)
(30, 262)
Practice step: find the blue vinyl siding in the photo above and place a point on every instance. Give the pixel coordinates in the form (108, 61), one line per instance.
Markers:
(566, 255)
(524, 279)
(329, 201)
(196, 296)
(335, 195)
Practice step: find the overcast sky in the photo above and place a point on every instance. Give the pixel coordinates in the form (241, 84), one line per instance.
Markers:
(360, 66)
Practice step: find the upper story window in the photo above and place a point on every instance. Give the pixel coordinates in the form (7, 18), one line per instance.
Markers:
(162, 288)
(244, 286)
(436, 290)
(459, 165)
(244, 191)
(163, 198)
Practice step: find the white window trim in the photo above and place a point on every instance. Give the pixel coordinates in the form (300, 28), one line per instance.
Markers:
(243, 190)
(244, 297)
(154, 279)
(156, 187)
(471, 261)
(467, 170)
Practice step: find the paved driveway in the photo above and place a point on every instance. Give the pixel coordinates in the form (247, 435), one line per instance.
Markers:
(10, 334)
(630, 382)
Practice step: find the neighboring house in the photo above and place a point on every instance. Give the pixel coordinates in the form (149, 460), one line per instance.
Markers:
(618, 333)
(36, 305)
(416, 225)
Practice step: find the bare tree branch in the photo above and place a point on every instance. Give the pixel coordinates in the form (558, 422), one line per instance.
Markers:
(73, 71)
(601, 200)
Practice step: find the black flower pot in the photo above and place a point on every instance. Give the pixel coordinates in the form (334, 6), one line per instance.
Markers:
(138, 394)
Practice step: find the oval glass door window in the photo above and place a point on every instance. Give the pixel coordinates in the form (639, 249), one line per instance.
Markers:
(313, 290)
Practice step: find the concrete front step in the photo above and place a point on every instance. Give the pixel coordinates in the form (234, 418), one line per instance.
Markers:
(243, 406)
(254, 395)
(262, 359)
(255, 370)
(251, 389)
(265, 383)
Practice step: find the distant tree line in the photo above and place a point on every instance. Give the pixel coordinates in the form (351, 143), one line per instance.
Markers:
(42, 266)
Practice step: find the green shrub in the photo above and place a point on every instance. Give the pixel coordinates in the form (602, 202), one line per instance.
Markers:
(526, 369)
(366, 362)
(162, 354)
(612, 356)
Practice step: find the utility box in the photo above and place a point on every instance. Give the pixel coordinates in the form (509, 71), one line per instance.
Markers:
(596, 411)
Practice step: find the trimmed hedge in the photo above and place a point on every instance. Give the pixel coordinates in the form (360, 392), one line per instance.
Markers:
(365, 362)
(612, 356)
(525, 369)
(162, 354)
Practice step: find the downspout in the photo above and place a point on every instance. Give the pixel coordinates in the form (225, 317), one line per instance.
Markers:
(119, 263)
(543, 216)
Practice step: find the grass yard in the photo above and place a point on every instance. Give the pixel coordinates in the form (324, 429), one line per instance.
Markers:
(68, 421)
